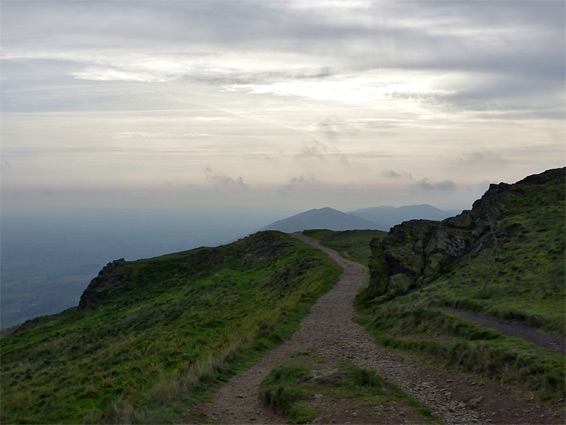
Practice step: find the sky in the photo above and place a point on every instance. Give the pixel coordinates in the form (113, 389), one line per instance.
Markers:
(276, 104)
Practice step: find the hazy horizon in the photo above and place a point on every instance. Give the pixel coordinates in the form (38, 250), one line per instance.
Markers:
(48, 259)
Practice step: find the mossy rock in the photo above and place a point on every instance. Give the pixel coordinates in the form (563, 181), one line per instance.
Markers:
(400, 283)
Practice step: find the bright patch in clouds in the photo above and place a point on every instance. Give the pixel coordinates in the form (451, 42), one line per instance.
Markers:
(102, 74)
(346, 89)
(316, 103)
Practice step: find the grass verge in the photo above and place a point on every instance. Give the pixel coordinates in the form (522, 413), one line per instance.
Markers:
(306, 389)
(456, 342)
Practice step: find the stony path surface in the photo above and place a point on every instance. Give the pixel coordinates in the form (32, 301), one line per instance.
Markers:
(329, 330)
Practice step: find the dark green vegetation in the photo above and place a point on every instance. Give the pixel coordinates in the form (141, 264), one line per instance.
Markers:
(306, 388)
(505, 258)
(156, 334)
(351, 244)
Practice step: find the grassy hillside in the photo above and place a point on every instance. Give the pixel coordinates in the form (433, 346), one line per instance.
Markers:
(351, 244)
(163, 334)
(511, 267)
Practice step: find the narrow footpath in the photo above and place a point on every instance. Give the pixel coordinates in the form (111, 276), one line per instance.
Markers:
(518, 330)
(329, 330)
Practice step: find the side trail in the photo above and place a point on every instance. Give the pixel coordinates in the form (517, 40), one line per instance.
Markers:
(330, 330)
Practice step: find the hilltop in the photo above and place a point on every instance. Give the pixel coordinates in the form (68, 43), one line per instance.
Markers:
(323, 218)
(374, 218)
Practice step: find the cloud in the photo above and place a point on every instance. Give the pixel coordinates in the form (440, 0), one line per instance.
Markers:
(480, 157)
(445, 185)
(408, 34)
(299, 184)
(511, 53)
(109, 74)
(391, 174)
(534, 96)
(135, 86)
(316, 149)
(330, 128)
(221, 181)
(271, 159)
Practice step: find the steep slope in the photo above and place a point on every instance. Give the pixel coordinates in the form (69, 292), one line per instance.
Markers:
(505, 258)
(391, 216)
(151, 335)
(323, 218)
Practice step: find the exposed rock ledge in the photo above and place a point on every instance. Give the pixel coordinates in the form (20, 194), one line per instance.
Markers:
(108, 281)
(418, 251)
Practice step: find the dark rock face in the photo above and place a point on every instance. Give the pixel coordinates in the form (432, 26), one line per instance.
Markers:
(413, 254)
(109, 280)
(416, 252)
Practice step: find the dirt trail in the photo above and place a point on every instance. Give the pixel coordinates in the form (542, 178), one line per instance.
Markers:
(512, 329)
(330, 331)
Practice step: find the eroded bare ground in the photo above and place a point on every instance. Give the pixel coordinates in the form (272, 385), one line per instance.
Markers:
(329, 330)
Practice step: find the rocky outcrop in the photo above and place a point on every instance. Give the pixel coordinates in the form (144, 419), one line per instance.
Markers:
(109, 280)
(416, 252)
(413, 254)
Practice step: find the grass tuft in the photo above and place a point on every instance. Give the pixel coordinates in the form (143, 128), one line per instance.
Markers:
(291, 387)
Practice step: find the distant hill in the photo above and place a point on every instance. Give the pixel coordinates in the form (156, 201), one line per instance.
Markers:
(323, 218)
(392, 216)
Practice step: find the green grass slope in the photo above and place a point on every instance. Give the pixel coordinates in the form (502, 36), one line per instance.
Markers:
(171, 328)
(514, 270)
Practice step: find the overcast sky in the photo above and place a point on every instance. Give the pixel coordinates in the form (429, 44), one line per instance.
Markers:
(267, 104)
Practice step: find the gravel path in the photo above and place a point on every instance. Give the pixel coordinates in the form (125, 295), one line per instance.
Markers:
(517, 330)
(329, 330)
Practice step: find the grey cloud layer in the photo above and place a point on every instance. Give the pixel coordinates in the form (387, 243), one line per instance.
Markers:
(520, 39)
(299, 97)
